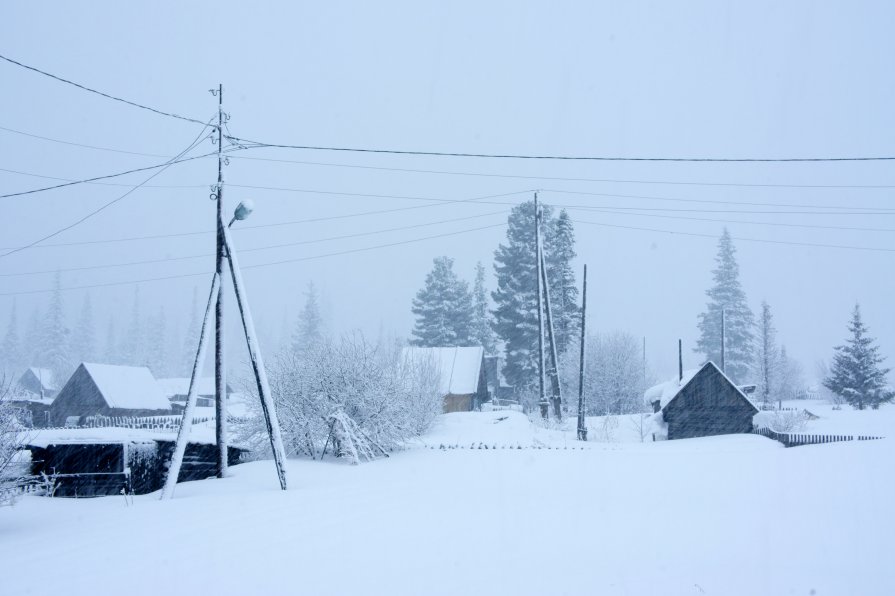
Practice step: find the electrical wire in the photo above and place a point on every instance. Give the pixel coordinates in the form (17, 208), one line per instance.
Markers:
(85, 146)
(257, 144)
(738, 238)
(257, 248)
(568, 179)
(106, 95)
(104, 206)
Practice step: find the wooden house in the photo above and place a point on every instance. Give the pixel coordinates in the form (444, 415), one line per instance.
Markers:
(176, 390)
(703, 403)
(38, 381)
(461, 374)
(108, 390)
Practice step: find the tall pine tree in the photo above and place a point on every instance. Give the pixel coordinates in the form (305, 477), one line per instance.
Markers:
(156, 344)
(53, 350)
(111, 353)
(515, 299)
(856, 374)
(726, 294)
(190, 339)
(133, 349)
(481, 323)
(443, 309)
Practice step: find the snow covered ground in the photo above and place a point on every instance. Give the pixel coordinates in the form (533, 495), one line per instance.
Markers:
(734, 515)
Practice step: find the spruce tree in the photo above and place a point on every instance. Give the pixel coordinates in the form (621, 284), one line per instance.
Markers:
(443, 309)
(767, 362)
(156, 353)
(726, 294)
(856, 374)
(111, 353)
(190, 339)
(309, 328)
(559, 250)
(54, 342)
(481, 324)
(11, 348)
(84, 339)
(132, 345)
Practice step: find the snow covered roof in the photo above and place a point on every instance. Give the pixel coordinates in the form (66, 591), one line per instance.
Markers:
(458, 368)
(667, 391)
(181, 386)
(44, 376)
(127, 387)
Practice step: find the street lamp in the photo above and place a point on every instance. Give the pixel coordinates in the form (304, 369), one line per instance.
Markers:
(242, 211)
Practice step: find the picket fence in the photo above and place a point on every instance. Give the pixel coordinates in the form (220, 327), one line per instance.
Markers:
(156, 423)
(797, 440)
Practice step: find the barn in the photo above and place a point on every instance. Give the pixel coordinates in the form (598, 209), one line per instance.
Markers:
(38, 381)
(703, 403)
(461, 372)
(108, 390)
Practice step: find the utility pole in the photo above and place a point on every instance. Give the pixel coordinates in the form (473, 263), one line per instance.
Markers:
(680, 361)
(542, 397)
(220, 378)
(556, 389)
(644, 362)
(722, 341)
(582, 426)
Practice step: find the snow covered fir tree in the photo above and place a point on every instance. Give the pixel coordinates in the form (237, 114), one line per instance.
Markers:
(309, 326)
(516, 297)
(856, 374)
(443, 309)
(482, 332)
(727, 296)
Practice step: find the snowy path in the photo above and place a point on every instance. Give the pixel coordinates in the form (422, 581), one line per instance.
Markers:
(727, 516)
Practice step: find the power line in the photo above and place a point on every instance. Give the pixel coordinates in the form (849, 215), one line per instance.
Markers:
(73, 144)
(104, 206)
(257, 248)
(164, 165)
(257, 144)
(260, 265)
(280, 223)
(166, 186)
(106, 95)
(715, 237)
(568, 179)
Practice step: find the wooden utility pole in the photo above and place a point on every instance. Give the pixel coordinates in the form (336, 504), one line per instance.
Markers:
(723, 346)
(556, 390)
(680, 361)
(220, 377)
(542, 397)
(582, 426)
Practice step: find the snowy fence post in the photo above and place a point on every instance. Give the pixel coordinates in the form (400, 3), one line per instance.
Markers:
(187, 420)
(267, 403)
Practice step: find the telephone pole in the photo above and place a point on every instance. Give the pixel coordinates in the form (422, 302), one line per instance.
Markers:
(555, 388)
(723, 355)
(542, 397)
(220, 378)
(582, 426)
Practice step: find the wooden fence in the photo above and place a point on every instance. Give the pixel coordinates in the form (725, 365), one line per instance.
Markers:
(797, 440)
(159, 423)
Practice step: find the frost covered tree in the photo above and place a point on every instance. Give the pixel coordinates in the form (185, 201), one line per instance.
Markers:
(443, 309)
(614, 379)
(767, 361)
(387, 398)
(559, 250)
(84, 339)
(11, 348)
(790, 376)
(10, 441)
(110, 353)
(481, 322)
(309, 328)
(856, 374)
(53, 347)
(515, 299)
(726, 294)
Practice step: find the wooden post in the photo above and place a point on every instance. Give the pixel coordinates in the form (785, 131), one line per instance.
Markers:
(267, 404)
(187, 420)
(582, 426)
(680, 361)
(722, 342)
(220, 375)
(556, 390)
(542, 397)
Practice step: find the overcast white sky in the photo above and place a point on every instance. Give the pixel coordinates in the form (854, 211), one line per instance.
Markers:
(712, 79)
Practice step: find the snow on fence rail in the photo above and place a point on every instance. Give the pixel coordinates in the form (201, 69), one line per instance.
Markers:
(159, 423)
(797, 440)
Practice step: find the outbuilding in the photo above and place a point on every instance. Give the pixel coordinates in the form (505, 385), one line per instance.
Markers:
(702, 403)
(461, 373)
(108, 390)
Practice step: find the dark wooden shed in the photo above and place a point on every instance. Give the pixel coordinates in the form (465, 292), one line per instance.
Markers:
(708, 404)
(98, 468)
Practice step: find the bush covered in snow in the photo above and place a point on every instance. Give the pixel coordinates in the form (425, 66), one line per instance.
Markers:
(388, 398)
(10, 440)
